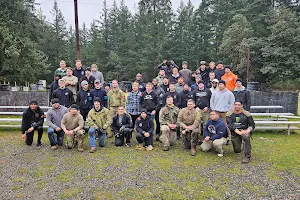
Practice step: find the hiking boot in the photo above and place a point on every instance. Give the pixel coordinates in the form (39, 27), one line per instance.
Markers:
(80, 149)
(166, 148)
(245, 160)
(193, 151)
(53, 147)
(39, 146)
(93, 150)
(149, 148)
(139, 147)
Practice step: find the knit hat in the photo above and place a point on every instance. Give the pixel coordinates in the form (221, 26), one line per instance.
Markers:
(84, 83)
(184, 63)
(33, 102)
(222, 82)
(228, 67)
(74, 106)
(97, 99)
(54, 101)
(215, 80)
(144, 110)
(239, 80)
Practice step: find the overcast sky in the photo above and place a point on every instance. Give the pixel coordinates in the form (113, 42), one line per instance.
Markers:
(90, 9)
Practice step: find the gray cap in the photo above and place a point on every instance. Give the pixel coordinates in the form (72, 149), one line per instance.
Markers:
(84, 83)
(97, 81)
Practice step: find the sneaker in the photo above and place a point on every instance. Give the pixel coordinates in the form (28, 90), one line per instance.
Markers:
(127, 144)
(193, 151)
(53, 147)
(80, 148)
(149, 148)
(246, 160)
(166, 148)
(93, 150)
(220, 154)
(39, 146)
(139, 147)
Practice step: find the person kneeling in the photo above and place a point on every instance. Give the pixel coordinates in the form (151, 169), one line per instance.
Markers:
(72, 124)
(98, 120)
(168, 120)
(144, 127)
(122, 127)
(215, 134)
(241, 125)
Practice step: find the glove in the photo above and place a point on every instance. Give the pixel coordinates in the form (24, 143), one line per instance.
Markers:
(122, 129)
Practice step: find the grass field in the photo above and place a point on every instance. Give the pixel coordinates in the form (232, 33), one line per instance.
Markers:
(124, 173)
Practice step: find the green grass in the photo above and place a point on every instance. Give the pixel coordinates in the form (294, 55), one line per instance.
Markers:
(178, 175)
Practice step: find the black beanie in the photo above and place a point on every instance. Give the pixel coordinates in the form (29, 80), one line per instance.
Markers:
(75, 106)
(97, 99)
(222, 81)
(54, 101)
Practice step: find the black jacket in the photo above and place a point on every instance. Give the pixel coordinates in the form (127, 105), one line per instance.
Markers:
(202, 98)
(84, 99)
(78, 73)
(146, 125)
(126, 121)
(90, 80)
(65, 96)
(54, 85)
(160, 94)
(176, 98)
(165, 87)
(101, 93)
(149, 101)
(219, 73)
(32, 119)
(204, 74)
(185, 96)
(239, 121)
(243, 95)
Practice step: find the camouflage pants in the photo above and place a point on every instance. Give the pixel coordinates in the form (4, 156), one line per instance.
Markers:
(190, 138)
(216, 144)
(168, 136)
(77, 136)
(113, 111)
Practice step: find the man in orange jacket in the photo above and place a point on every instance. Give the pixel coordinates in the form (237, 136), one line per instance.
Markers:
(230, 78)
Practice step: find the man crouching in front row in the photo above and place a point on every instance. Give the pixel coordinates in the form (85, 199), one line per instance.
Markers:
(72, 124)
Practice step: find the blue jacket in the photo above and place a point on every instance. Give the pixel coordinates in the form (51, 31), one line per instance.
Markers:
(215, 129)
(101, 93)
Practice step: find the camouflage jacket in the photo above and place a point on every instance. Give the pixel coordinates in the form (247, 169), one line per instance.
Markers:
(168, 115)
(116, 98)
(99, 119)
(188, 117)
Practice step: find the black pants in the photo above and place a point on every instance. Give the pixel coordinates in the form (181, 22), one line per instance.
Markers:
(84, 113)
(134, 117)
(127, 134)
(29, 135)
(141, 138)
(157, 132)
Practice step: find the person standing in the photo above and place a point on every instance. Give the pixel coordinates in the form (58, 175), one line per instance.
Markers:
(212, 66)
(179, 85)
(229, 78)
(165, 85)
(142, 85)
(98, 120)
(204, 72)
(144, 127)
(65, 96)
(98, 91)
(168, 120)
(214, 85)
(88, 77)
(61, 71)
(174, 76)
(186, 73)
(149, 101)
(241, 125)
(215, 134)
(174, 94)
(160, 97)
(160, 77)
(78, 71)
(71, 81)
(220, 71)
(189, 121)
(32, 120)
(185, 95)
(97, 74)
(122, 127)
(133, 102)
(53, 118)
(116, 98)
(84, 99)
(72, 125)
(241, 94)
(53, 86)
(212, 76)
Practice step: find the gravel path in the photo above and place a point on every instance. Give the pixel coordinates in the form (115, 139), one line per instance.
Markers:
(124, 173)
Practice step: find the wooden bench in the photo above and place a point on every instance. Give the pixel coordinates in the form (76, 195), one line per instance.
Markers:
(289, 126)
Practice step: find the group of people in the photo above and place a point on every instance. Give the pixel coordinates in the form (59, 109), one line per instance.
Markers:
(183, 104)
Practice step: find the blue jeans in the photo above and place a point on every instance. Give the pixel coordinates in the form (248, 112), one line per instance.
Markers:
(56, 139)
(92, 137)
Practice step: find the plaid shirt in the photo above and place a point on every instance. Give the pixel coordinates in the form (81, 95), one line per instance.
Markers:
(133, 103)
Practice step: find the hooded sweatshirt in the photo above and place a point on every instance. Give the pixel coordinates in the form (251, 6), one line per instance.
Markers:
(243, 95)
(230, 80)
(215, 129)
(54, 116)
(222, 101)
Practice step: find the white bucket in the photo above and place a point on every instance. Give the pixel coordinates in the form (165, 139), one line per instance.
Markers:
(42, 82)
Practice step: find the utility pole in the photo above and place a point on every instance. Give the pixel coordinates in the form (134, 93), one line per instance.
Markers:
(77, 30)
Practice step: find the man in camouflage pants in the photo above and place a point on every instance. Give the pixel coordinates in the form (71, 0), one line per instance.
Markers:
(168, 120)
(116, 98)
(189, 121)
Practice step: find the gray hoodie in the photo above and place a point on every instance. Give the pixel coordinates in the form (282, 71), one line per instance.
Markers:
(98, 76)
(54, 116)
(222, 101)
